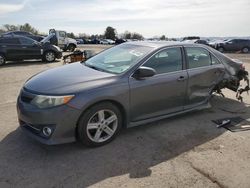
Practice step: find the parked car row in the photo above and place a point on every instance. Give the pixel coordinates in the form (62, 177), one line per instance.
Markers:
(100, 41)
(227, 45)
(232, 45)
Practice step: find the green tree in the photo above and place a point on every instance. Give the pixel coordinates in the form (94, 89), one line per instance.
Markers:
(8, 27)
(28, 28)
(137, 36)
(127, 35)
(163, 37)
(71, 35)
(110, 33)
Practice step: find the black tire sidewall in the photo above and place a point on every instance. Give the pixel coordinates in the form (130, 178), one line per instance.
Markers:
(4, 60)
(82, 125)
(44, 57)
(71, 47)
(245, 48)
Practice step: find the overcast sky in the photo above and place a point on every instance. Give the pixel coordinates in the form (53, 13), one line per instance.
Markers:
(173, 18)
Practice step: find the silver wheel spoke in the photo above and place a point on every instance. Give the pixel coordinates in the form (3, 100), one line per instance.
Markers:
(111, 119)
(97, 135)
(108, 130)
(93, 125)
(101, 115)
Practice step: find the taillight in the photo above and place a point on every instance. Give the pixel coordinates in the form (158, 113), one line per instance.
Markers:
(242, 67)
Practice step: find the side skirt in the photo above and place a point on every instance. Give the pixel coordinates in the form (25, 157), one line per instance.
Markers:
(200, 107)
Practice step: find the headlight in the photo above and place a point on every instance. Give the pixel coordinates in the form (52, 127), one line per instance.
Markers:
(43, 101)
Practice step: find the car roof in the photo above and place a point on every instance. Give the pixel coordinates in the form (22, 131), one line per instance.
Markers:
(160, 44)
(16, 36)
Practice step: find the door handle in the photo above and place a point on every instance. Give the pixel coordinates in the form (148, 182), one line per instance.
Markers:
(4, 46)
(181, 78)
(24, 47)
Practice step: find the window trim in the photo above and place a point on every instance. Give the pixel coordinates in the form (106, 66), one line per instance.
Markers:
(159, 50)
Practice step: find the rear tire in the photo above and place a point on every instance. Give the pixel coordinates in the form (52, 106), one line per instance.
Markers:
(245, 50)
(221, 49)
(2, 60)
(99, 125)
(49, 56)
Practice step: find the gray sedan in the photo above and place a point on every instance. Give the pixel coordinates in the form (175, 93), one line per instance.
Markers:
(126, 85)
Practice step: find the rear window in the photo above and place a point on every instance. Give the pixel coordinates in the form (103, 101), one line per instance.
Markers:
(197, 57)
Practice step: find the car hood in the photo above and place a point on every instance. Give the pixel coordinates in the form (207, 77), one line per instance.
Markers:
(71, 40)
(68, 79)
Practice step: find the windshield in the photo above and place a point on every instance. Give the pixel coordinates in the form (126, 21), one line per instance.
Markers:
(118, 59)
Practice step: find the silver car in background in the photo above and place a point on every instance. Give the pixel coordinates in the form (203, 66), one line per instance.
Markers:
(126, 85)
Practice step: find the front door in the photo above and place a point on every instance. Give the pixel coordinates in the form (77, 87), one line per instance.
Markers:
(62, 37)
(30, 48)
(163, 93)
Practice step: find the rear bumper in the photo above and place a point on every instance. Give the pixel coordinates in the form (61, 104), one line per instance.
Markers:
(62, 120)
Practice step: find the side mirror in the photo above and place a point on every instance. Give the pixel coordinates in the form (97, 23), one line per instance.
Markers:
(144, 72)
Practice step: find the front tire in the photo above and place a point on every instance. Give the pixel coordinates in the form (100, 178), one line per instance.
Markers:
(245, 50)
(99, 125)
(49, 56)
(71, 47)
(2, 59)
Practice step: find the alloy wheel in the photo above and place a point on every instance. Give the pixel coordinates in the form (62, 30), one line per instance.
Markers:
(50, 56)
(102, 126)
(245, 50)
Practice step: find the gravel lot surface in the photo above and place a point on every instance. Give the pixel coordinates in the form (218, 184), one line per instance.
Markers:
(184, 151)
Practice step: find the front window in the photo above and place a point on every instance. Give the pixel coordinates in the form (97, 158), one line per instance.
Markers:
(118, 59)
(165, 61)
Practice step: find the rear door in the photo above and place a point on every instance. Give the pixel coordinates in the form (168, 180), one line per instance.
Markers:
(204, 71)
(11, 46)
(163, 93)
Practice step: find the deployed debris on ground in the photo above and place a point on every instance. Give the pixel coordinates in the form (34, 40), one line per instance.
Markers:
(234, 124)
(78, 55)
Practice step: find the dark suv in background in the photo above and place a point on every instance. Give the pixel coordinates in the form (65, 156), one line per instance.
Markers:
(25, 34)
(233, 45)
(17, 47)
